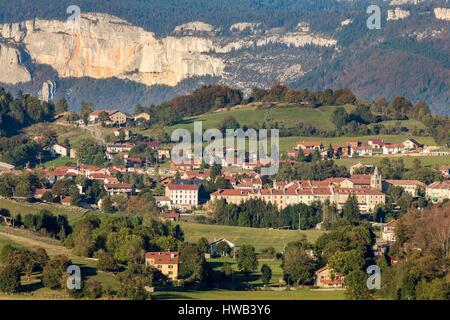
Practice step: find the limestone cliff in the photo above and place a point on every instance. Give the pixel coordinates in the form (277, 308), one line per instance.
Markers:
(12, 70)
(104, 46)
(442, 13)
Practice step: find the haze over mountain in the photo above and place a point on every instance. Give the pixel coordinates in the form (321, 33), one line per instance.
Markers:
(128, 52)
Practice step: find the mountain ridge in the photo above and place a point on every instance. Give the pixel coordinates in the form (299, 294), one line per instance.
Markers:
(409, 57)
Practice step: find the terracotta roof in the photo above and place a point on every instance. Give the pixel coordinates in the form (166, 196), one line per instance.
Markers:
(163, 257)
(66, 200)
(232, 192)
(309, 143)
(406, 182)
(182, 187)
(391, 224)
(172, 214)
(118, 186)
(376, 141)
(40, 192)
(109, 112)
(394, 145)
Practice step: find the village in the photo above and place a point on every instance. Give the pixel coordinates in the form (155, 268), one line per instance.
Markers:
(180, 186)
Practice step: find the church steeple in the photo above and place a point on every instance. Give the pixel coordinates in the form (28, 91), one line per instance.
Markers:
(375, 180)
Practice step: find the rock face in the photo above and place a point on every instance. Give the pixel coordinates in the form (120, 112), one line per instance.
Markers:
(398, 14)
(48, 91)
(12, 70)
(104, 46)
(442, 13)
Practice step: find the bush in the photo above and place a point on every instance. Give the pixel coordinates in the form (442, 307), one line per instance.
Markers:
(54, 273)
(9, 279)
(106, 262)
(93, 289)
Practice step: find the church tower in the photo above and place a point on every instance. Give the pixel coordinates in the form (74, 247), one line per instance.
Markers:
(375, 180)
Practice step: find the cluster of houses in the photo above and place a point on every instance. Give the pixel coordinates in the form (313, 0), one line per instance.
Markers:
(107, 176)
(115, 117)
(355, 148)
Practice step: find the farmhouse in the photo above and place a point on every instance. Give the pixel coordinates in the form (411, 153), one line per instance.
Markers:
(394, 148)
(376, 143)
(61, 150)
(325, 278)
(142, 116)
(388, 231)
(309, 145)
(438, 191)
(120, 188)
(411, 144)
(166, 262)
(214, 247)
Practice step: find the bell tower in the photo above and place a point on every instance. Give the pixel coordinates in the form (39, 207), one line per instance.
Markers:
(375, 180)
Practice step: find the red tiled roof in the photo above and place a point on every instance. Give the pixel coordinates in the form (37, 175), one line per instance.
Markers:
(163, 257)
(118, 186)
(66, 200)
(182, 187)
(40, 192)
(309, 143)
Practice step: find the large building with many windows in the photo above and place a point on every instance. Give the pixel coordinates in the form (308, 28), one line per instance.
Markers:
(182, 196)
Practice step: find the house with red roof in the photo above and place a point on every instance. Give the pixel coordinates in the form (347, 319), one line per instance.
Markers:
(388, 231)
(166, 262)
(326, 278)
(183, 196)
(120, 188)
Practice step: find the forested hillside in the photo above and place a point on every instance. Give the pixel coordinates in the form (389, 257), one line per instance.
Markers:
(313, 44)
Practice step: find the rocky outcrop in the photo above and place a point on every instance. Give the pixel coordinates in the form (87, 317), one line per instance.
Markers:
(398, 14)
(104, 46)
(12, 69)
(442, 13)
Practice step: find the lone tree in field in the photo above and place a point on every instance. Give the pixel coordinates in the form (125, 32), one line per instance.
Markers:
(223, 248)
(266, 274)
(247, 260)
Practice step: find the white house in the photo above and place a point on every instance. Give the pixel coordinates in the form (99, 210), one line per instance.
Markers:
(213, 247)
(142, 116)
(61, 150)
(388, 231)
(6, 166)
(182, 196)
(411, 144)
(410, 186)
(438, 191)
(394, 148)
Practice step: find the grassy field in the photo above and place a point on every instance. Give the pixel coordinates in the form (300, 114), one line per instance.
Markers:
(58, 162)
(23, 208)
(253, 116)
(408, 161)
(32, 288)
(73, 133)
(286, 143)
(219, 294)
(259, 238)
